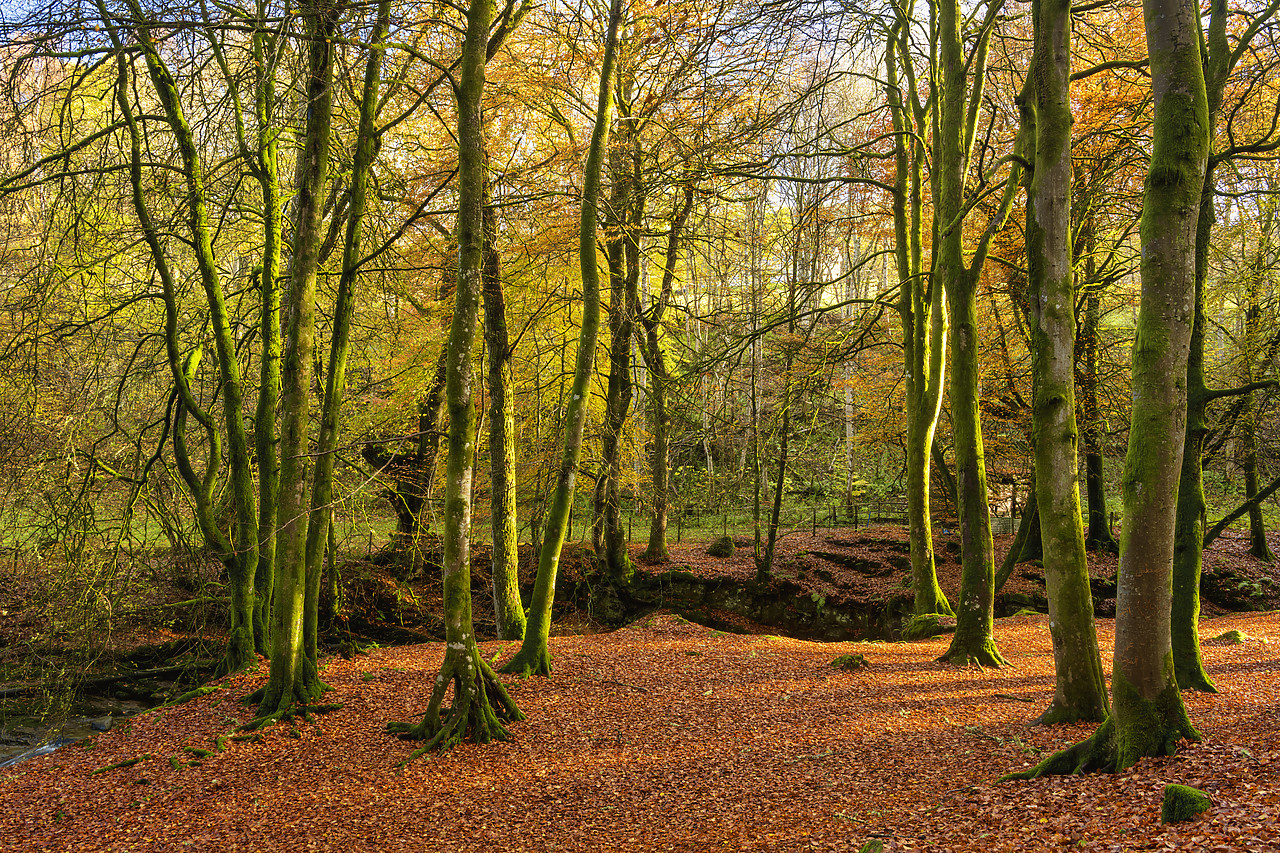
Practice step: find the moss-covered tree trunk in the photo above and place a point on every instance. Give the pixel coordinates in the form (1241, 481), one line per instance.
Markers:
(1147, 710)
(1147, 714)
(1080, 690)
(626, 209)
(239, 552)
(533, 656)
(922, 309)
(954, 127)
(340, 337)
(660, 378)
(481, 705)
(507, 608)
(294, 678)
(1218, 60)
(267, 172)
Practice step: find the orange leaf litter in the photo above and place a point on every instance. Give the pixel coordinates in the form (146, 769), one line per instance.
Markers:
(669, 736)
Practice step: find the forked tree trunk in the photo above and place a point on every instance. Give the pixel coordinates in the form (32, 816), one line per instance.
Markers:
(922, 308)
(955, 125)
(294, 678)
(318, 527)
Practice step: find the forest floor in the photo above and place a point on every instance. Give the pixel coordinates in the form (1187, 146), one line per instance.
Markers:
(667, 735)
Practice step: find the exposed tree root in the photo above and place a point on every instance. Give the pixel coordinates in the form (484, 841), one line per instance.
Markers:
(527, 663)
(984, 654)
(1098, 752)
(1150, 728)
(276, 703)
(1057, 714)
(481, 706)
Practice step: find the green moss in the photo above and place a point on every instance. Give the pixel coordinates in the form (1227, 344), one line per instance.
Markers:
(1148, 728)
(1232, 637)
(722, 547)
(927, 625)
(850, 663)
(1182, 803)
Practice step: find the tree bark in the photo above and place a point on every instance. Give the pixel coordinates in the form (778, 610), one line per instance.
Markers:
(954, 125)
(922, 308)
(1147, 714)
(294, 677)
(481, 705)
(533, 657)
(508, 611)
(1080, 690)
(336, 375)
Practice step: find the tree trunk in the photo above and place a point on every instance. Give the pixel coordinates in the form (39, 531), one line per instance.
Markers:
(621, 244)
(294, 677)
(264, 422)
(336, 375)
(1080, 690)
(973, 640)
(239, 552)
(660, 379)
(481, 705)
(507, 609)
(1099, 536)
(1258, 546)
(922, 308)
(533, 657)
(1147, 714)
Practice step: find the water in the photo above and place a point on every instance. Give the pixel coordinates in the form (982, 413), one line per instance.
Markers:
(24, 738)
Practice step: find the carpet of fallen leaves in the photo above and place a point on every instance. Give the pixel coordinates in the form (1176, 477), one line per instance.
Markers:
(666, 735)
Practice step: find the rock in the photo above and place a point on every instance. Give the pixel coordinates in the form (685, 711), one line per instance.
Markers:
(102, 724)
(1182, 802)
(850, 663)
(722, 547)
(1231, 638)
(927, 625)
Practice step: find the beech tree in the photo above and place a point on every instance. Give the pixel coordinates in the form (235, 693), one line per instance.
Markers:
(1219, 60)
(960, 80)
(481, 705)
(1147, 714)
(921, 305)
(533, 657)
(1080, 691)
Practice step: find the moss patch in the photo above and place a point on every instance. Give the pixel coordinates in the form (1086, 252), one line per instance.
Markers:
(850, 663)
(722, 547)
(927, 625)
(1231, 638)
(1182, 802)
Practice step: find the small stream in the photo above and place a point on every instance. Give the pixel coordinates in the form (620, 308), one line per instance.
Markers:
(24, 737)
